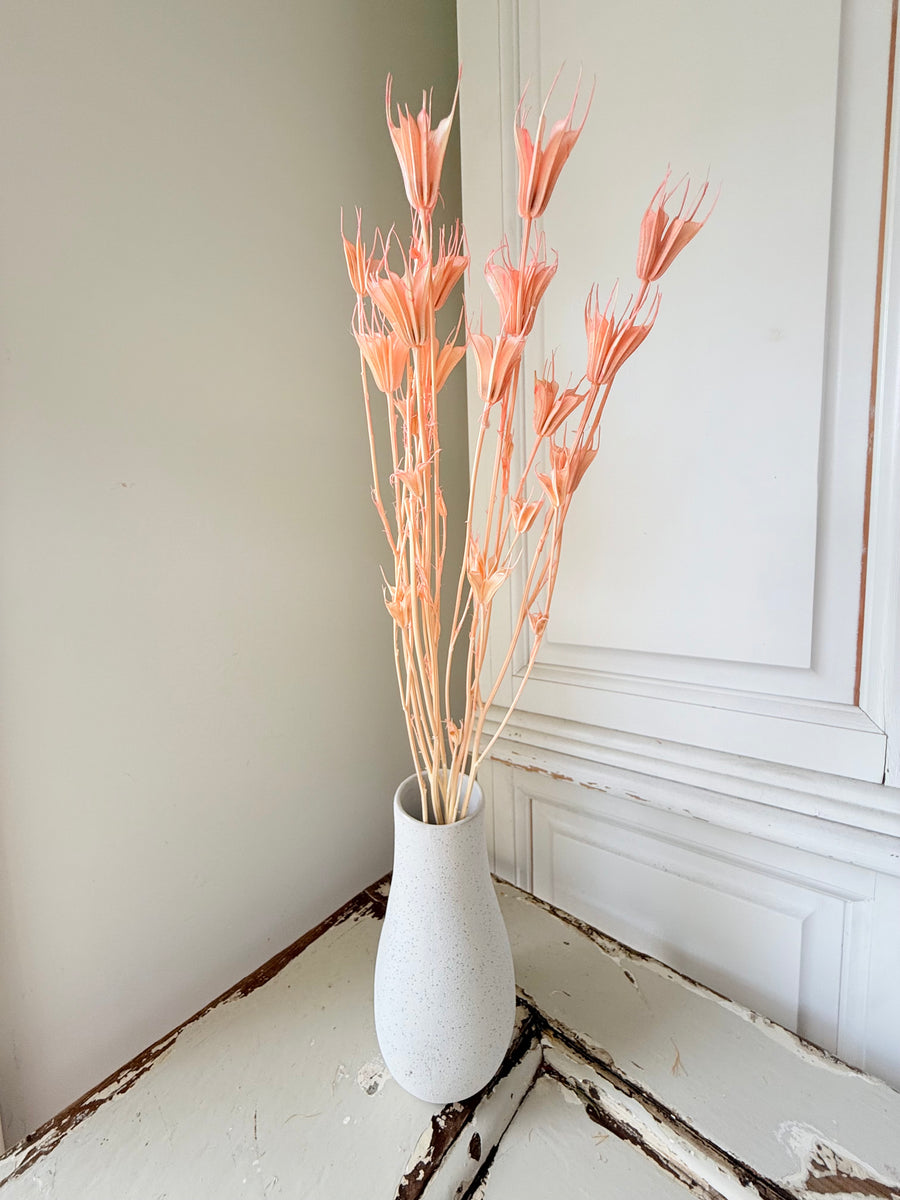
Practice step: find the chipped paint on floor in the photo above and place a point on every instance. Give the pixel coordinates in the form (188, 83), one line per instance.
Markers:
(621, 1075)
(372, 1076)
(826, 1168)
(553, 1149)
(736, 1074)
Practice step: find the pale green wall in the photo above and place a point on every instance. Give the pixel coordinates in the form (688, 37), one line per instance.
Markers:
(199, 733)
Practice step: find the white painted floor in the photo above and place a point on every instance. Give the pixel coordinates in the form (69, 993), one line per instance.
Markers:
(553, 1148)
(624, 1079)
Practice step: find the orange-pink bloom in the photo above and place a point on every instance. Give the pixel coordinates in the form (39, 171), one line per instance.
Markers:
(540, 166)
(512, 523)
(579, 459)
(404, 301)
(386, 356)
(420, 150)
(663, 236)
(446, 359)
(450, 266)
(495, 365)
(519, 292)
(414, 479)
(525, 513)
(397, 602)
(359, 261)
(550, 411)
(610, 341)
(485, 573)
(567, 468)
(538, 621)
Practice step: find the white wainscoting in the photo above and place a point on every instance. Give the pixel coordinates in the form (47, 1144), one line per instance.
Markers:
(797, 920)
(700, 758)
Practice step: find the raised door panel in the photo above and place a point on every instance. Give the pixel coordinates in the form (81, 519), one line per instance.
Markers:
(783, 931)
(704, 495)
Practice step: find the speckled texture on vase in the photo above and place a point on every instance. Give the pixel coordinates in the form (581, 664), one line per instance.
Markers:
(445, 993)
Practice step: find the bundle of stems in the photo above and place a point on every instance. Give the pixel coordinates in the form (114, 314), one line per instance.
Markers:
(529, 491)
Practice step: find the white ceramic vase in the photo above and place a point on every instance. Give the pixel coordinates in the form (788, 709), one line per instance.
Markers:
(445, 994)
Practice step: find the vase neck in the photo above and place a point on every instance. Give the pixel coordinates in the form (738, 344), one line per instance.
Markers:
(408, 802)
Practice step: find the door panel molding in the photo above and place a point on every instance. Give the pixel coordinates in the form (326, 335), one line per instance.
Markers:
(801, 716)
(765, 911)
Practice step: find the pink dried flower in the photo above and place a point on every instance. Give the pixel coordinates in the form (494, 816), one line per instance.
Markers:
(420, 150)
(519, 292)
(485, 574)
(538, 622)
(397, 602)
(449, 268)
(540, 166)
(404, 301)
(525, 514)
(611, 342)
(495, 364)
(414, 479)
(395, 323)
(359, 261)
(446, 360)
(567, 468)
(662, 236)
(386, 356)
(550, 412)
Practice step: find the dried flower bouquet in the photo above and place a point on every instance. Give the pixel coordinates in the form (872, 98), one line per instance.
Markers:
(531, 488)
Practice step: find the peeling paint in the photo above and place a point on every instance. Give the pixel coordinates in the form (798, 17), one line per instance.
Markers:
(448, 1124)
(431, 1148)
(599, 1114)
(621, 954)
(459, 1172)
(457, 1150)
(575, 1048)
(369, 902)
(478, 1187)
(534, 770)
(828, 1169)
(559, 776)
(372, 1076)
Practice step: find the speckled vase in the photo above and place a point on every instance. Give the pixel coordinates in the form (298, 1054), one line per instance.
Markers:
(445, 994)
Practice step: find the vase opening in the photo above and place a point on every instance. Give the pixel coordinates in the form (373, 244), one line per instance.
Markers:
(409, 802)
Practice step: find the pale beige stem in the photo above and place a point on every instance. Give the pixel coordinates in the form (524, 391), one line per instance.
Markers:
(410, 732)
(458, 617)
(513, 642)
(376, 486)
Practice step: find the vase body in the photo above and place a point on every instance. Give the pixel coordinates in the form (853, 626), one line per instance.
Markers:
(445, 994)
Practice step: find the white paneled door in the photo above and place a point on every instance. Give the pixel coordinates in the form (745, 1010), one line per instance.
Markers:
(699, 762)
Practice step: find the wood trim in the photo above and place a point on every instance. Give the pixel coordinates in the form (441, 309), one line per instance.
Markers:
(880, 676)
(876, 347)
